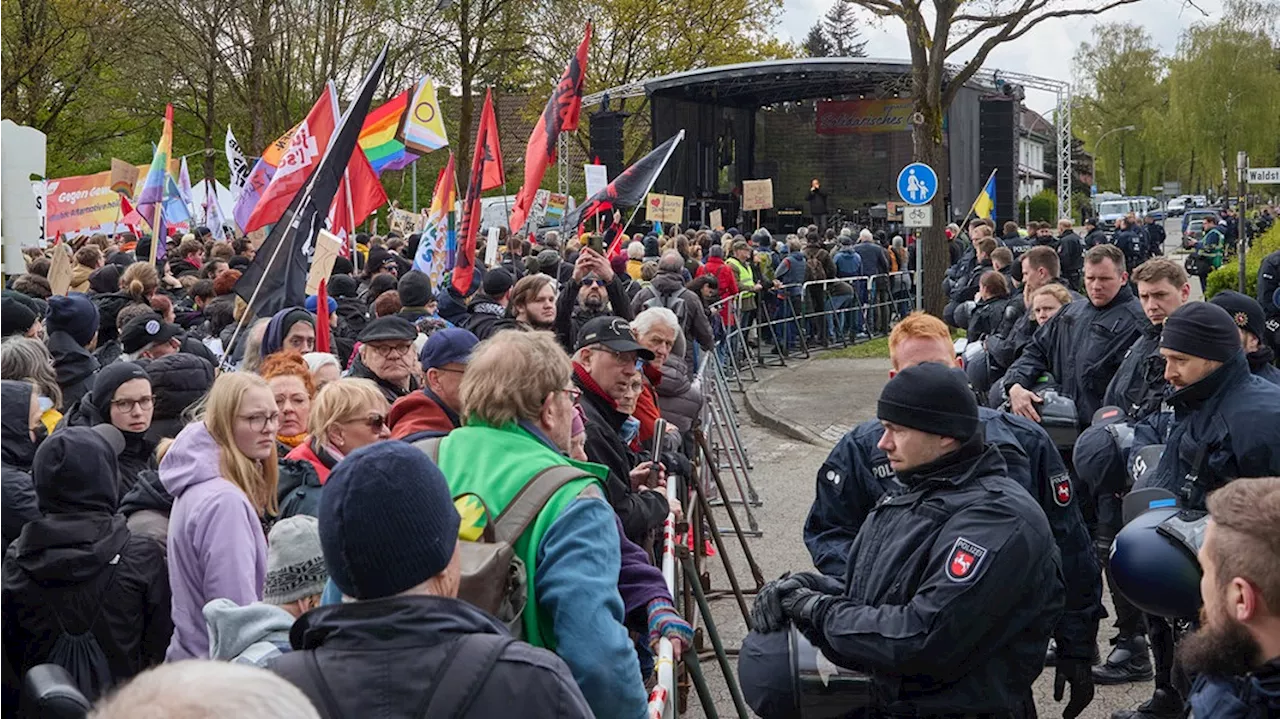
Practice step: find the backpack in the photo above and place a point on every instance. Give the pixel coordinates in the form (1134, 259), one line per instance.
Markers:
(673, 302)
(493, 577)
(813, 269)
(81, 654)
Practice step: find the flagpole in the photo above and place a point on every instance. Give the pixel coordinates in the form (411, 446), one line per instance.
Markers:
(645, 194)
(975, 200)
(155, 227)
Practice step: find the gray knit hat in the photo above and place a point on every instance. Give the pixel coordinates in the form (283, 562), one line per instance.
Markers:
(295, 561)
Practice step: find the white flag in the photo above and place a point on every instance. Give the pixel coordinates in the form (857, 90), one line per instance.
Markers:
(239, 166)
(212, 211)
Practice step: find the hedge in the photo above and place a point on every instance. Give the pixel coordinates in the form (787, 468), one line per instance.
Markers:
(1044, 207)
(1227, 277)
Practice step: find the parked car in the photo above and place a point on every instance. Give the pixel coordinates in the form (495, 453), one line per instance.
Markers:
(1176, 206)
(1111, 210)
(1193, 221)
(1199, 201)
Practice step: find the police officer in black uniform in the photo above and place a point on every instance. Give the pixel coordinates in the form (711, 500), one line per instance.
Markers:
(858, 473)
(1220, 423)
(1136, 390)
(954, 583)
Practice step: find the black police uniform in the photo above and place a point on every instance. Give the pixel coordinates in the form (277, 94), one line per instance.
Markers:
(1004, 348)
(1268, 281)
(1071, 258)
(1156, 237)
(1133, 244)
(1082, 347)
(857, 474)
(953, 589)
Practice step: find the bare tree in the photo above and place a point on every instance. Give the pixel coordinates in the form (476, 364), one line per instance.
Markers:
(937, 41)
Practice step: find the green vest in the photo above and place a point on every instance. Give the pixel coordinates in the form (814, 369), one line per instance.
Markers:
(495, 463)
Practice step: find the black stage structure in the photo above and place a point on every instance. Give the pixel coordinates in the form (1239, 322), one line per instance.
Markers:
(845, 121)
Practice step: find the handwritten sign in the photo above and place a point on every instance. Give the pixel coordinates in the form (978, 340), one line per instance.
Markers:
(757, 194)
(716, 222)
(664, 208)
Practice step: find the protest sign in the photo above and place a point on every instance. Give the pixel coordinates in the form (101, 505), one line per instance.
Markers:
(327, 247)
(757, 194)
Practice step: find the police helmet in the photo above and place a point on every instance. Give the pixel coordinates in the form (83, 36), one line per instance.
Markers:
(783, 676)
(1153, 563)
(964, 311)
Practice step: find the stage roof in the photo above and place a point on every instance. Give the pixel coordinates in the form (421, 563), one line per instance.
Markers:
(757, 84)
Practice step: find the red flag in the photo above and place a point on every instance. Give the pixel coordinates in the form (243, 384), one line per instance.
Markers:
(129, 216)
(485, 156)
(560, 115)
(322, 317)
(494, 175)
(306, 149)
(359, 194)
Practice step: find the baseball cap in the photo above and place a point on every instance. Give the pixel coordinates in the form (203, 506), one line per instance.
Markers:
(446, 346)
(146, 330)
(614, 333)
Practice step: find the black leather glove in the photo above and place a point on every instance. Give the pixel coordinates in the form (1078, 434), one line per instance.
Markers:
(1079, 674)
(766, 613)
(805, 606)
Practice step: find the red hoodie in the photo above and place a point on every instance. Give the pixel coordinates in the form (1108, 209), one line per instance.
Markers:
(418, 412)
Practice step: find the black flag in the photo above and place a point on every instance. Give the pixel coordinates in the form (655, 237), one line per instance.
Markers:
(279, 270)
(627, 189)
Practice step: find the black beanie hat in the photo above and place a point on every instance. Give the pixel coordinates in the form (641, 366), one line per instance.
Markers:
(341, 266)
(387, 521)
(15, 317)
(75, 315)
(1201, 329)
(108, 380)
(105, 279)
(932, 398)
(415, 289)
(1244, 310)
(341, 285)
(497, 281)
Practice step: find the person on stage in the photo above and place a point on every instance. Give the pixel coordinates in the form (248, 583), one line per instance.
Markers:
(817, 198)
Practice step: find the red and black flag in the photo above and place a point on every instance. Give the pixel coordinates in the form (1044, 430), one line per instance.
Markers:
(629, 188)
(486, 166)
(560, 115)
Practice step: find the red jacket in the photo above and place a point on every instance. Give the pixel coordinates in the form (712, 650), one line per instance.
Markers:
(420, 411)
(718, 268)
(303, 452)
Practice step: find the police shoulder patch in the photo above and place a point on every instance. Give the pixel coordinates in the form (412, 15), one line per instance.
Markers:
(964, 559)
(1061, 489)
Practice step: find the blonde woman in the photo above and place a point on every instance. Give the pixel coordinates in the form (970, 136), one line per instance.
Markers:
(346, 415)
(221, 471)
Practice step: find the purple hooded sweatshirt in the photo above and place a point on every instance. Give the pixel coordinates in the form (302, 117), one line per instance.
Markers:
(216, 546)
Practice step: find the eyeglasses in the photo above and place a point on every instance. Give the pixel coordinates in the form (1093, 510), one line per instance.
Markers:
(574, 393)
(260, 422)
(593, 283)
(127, 405)
(631, 358)
(385, 351)
(374, 422)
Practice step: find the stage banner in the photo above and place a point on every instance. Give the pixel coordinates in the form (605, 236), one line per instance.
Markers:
(845, 117)
(75, 204)
(757, 194)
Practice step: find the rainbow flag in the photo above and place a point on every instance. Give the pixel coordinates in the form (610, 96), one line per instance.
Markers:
(378, 136)
(439, 240)
(157, 186)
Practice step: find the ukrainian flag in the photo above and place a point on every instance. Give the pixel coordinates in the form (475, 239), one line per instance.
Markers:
(985, 205)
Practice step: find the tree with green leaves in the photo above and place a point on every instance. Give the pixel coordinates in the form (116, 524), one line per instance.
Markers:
(841, 26)
(815, 43)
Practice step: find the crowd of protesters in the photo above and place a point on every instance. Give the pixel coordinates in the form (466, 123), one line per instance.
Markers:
(185, 480)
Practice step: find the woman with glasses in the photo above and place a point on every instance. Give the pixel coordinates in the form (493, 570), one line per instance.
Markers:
(122, 397)
(222, 473)
(346, 415)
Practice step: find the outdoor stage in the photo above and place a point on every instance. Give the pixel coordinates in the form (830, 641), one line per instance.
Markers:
(845, 121)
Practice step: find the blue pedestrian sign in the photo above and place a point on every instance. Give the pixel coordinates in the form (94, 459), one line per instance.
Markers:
(917, 184)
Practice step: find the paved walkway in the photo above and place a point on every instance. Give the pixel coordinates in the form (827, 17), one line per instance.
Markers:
(817, 400)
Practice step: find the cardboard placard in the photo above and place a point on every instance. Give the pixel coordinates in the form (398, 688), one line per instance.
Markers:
(757, 194)
(664, 208)
(124, 176)
(597, 178)
(491, 247)
(60, 270)
(716, 222)
(327, 246)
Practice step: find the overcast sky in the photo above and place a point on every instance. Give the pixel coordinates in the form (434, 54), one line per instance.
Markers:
(1046, 50)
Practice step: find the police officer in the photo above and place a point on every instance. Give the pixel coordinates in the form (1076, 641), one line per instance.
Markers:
(1093, 236)
(1131, 241)
(1220, 423)
(1083, 344)
(1248, 317)
(954, 583)
(1136, 390)
(858, 473)
(1071, 253)
(1269, 282)
(1155, 236)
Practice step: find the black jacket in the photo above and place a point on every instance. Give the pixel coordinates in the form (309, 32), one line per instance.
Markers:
(139, 451)
(1155, 238)
(299, 488)
(857, 474)
(640, 511)
(1071, 254)
(1018, 245)
(16, 454)
(669, 291)
(1224, 427)
(967, 287)
(570, 315)
(1268, 281)
(109, 307)
(1015, 333)
(1253, 696)
(987, 317)
(353, 315)
(146, 508)
(1262, 364)
(73, 365)
(79, 567)
(817, 198)
(177, 381)
(953, 589)
(485, 317)
(1082, 347)
(390, 391)
(1133, 244)
(1139, 386)
(875, 259)
(383, 658)
(1095, 237)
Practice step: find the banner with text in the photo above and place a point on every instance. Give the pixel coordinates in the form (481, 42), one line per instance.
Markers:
(844, 117)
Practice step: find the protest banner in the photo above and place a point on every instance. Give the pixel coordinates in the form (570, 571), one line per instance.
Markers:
(326, 250)
(597, 178)
(664, 208)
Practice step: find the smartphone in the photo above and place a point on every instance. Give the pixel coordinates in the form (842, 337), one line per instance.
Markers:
(596, 243)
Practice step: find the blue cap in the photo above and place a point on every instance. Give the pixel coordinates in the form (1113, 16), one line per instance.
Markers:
(313, 301)
(446, 346)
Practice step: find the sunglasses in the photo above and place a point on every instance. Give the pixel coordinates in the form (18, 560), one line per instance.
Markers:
(593, 283)
(374, 422)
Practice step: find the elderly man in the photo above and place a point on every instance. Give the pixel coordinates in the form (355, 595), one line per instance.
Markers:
(667, 290)
(604, 365)
(518, 427)
(593, 291)
(386, 351)
(435, 409)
